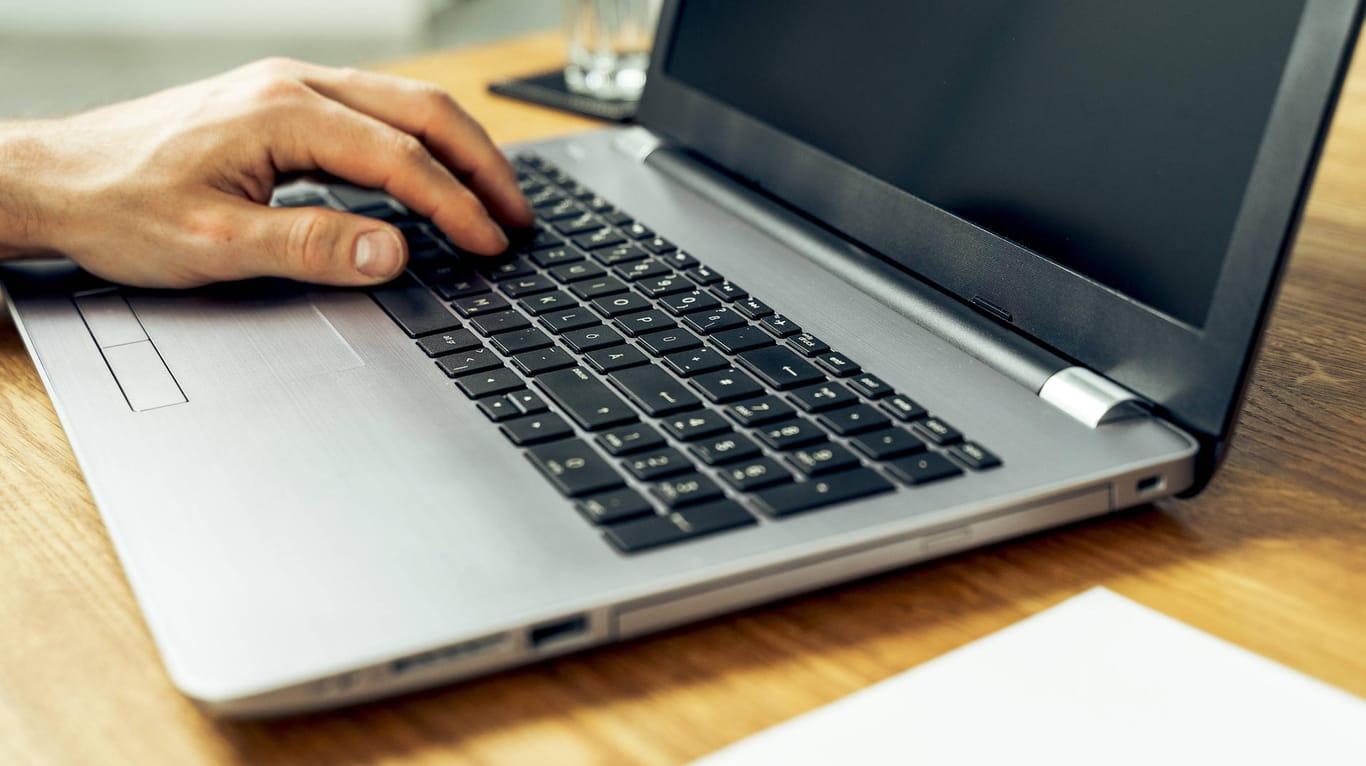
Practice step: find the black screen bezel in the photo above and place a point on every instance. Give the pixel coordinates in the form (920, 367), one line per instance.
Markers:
(1194, 375)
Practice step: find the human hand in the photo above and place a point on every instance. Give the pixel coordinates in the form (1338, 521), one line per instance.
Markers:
(171, 190)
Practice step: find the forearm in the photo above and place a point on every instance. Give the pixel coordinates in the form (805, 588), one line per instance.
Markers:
(22, 213)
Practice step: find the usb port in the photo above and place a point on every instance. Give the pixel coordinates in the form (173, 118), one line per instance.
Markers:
(556, 632)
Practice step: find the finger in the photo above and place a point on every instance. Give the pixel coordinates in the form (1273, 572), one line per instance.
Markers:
(319, 133)
(430, 114)
(310, 244)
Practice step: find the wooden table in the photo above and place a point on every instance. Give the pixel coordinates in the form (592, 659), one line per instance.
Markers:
(1271, 557)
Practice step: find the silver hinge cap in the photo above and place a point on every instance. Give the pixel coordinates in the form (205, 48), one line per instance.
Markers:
(1091, 398)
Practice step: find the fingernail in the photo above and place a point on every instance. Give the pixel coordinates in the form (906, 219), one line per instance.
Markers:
(378, 253)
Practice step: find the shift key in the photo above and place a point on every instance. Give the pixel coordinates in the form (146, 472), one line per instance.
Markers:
(590, 403)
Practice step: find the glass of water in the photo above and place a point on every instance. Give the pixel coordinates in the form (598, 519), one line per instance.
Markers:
(609, 46)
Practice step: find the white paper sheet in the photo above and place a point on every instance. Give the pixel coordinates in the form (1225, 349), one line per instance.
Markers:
(1096, 680)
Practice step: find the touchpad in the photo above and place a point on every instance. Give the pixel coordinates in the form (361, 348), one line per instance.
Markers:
(248, 335)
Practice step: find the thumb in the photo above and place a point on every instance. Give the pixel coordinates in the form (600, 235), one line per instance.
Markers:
(315, 244)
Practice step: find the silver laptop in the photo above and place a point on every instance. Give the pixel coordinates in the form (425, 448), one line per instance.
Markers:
(868, 284)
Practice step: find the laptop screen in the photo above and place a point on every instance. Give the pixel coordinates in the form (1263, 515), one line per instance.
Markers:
(1112, 137)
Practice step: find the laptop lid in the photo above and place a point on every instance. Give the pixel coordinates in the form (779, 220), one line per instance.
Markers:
(1118, 181)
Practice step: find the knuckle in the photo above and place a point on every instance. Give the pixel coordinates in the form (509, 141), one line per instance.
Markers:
(409, 150)
(276, 89)
(277, 66)
(308, 248)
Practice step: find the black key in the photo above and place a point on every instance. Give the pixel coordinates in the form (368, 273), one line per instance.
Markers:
(499, 322)
(624, 252)
(887, 443)
(699, 360)
(657, 465)
(569, 319)
(726, 448)
(937, 431)
(655, 391)
(499, 409)
(604, 237)
(715, 320)
(668, 341)
(588, 289)
(611, 507)
(615, 358)
(923, 468)
(475, 305)
(625, 440)
(574, 467)
(822, 396)
(590, 403)
(528, 402)
(544, 304)
(591, 338)
(634, 272)
(619, 305)
(728, 385)
(757, 412)
(790, 434)
(684, 524)
(585, 221)
(658, 245)
(536, 429)
(779, 326)
(381, 210)
(543, 360)
(467, 362)
(690, 489)
(448, 343)
(616, 218)
(853, 420)
(555, 207)
(703, 275)
(740, 339)
(728, 291)
(414, 308)
(461, 288)
(646, 321)
(903, 408)
(501, 269)
(679, 304)
(521, 288)
(546, 199)
(780, 368)
(822, 458)
(975, 456)
(838, 365)
(679, 260)
(566, 273)
(870, 386)
(807, 344)
(755, 473)
(555, 256)
(657, 287)
(489, 383)
(302, 199)
(690, 426)
(520, 340)
(817, 493)
(753, 308)
(637, 230)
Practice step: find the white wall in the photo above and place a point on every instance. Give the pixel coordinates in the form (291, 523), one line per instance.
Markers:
(295, 18)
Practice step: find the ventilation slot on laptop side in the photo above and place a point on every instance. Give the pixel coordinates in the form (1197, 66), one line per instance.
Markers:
(448, 654)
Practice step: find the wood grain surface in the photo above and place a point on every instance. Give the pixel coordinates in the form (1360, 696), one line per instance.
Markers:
(1271, 557)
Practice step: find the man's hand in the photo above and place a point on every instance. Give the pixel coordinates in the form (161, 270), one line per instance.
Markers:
(171, 190)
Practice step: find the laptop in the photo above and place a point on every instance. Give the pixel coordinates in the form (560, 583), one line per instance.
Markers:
(865, 286)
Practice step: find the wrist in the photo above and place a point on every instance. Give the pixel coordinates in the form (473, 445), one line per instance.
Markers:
(23, 212)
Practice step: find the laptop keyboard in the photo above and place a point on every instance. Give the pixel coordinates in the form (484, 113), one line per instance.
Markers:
(666, 402)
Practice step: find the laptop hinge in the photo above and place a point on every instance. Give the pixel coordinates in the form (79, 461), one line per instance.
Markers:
(1091, 398)
(637, 143)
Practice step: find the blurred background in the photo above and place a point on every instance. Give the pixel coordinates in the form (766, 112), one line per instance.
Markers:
(61, 56)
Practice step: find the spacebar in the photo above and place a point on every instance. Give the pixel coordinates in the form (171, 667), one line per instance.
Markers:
(590, 403)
